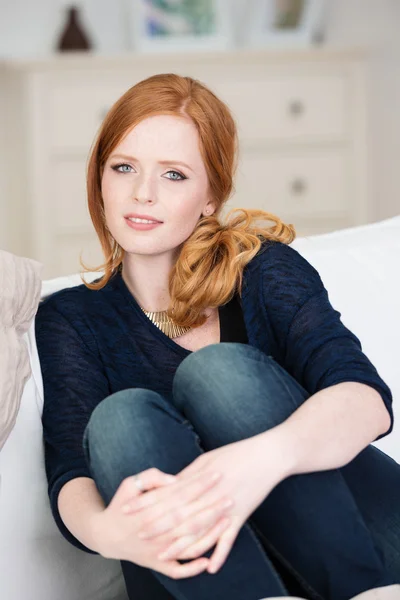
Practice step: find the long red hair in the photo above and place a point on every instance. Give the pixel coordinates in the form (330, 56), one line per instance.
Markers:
(210, 265)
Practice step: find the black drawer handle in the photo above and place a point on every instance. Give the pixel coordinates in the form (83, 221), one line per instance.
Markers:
(298, 186)
(296, 108)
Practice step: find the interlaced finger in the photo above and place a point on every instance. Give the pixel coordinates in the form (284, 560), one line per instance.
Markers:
(193, 546)
(224, 546)
(175, 520)
(173, 495)
(175, 570)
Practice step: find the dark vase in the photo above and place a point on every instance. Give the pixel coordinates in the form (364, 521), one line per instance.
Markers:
(73, 36)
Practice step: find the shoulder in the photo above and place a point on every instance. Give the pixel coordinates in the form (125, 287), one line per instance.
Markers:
(274, 255)
(67, 303)
(73, 303)
(282, 277)
(284, 263)
(67, 318)
(72, 315)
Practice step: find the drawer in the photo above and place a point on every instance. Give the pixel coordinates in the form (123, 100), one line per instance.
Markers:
(308, 184)
(78, 110)
(297, 107)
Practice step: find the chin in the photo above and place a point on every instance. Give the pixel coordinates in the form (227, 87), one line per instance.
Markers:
(149, 243)
(146, 248)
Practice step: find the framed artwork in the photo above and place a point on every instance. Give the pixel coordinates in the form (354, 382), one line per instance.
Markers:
(285, 23)
(180, 25)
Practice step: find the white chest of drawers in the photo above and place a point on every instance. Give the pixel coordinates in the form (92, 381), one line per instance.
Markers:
(302, 129)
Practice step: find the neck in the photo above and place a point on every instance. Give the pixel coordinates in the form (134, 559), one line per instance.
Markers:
(147, 279)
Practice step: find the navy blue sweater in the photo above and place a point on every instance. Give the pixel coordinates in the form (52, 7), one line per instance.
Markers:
(94, 343)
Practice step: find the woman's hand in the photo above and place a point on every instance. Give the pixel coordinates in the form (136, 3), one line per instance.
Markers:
(117, 528)
(250, 470)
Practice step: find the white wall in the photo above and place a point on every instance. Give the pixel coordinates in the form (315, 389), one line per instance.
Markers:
(375, 24)
(31, 27)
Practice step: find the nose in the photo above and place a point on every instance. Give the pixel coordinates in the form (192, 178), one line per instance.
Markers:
(143, 191)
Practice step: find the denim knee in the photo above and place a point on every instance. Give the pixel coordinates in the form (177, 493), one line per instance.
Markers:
(111, 415)
(134, 430)
(217, 361)
(237, 381)
(121, 424)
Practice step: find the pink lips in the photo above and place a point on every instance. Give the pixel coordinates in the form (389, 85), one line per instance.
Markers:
(142, 226)
(136, 216)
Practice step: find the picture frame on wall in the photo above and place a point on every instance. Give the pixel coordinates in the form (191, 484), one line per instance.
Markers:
(284, 23)
(180, 25)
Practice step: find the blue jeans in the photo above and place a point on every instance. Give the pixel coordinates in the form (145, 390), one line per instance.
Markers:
(336, 533)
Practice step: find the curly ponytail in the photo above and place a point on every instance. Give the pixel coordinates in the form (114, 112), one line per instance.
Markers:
(210, 266)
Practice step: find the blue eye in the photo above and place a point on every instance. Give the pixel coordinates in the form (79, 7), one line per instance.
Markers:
(121, 169)
(125, 168)
(181, 177)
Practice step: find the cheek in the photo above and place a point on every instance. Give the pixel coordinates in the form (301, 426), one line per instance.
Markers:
(112, 191)
(188, 211)
(114, 186)
(189, 203)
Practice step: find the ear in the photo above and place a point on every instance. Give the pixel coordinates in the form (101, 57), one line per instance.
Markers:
(209, 209)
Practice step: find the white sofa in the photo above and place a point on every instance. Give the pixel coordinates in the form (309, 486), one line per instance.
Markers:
(361, 270)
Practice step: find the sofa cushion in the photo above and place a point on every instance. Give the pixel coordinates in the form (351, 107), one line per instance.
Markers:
(360, 269)
(20, 285)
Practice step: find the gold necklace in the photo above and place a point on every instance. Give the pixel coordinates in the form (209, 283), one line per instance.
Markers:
(165, 323)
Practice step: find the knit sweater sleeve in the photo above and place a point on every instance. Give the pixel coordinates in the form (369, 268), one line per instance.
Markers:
(315, 347)
(73, 382)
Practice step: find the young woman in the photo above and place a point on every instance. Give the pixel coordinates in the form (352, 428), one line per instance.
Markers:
(207, 416)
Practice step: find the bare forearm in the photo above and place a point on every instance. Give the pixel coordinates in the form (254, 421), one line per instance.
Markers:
(330, 428)
(78, 502)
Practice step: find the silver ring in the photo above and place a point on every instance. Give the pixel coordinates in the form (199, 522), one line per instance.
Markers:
(138, 483)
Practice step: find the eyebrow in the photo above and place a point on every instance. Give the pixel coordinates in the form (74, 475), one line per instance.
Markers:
(160, 162)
